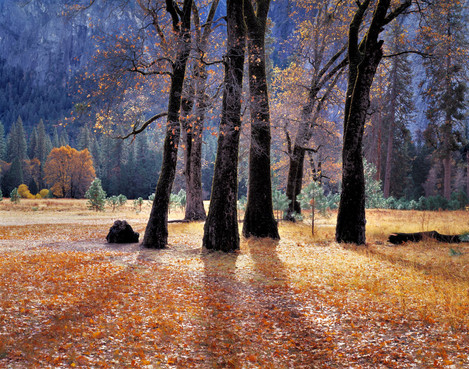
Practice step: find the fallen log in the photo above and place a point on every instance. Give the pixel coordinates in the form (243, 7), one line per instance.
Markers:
(399, 238)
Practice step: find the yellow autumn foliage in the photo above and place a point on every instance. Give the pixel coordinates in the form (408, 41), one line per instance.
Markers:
(69, 172)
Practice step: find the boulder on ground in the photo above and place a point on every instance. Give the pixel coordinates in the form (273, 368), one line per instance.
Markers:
(122, 232)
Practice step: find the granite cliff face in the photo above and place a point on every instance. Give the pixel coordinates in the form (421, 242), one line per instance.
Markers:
(44, 46)
(37, 37)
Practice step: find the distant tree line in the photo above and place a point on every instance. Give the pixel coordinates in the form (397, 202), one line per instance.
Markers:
(38, 159)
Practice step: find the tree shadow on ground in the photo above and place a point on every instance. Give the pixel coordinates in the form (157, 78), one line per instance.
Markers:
(251, 315)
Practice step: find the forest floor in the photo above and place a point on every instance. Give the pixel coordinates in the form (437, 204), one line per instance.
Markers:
(68, 299)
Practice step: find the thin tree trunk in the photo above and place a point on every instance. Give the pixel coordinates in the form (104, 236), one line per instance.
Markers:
(467, 173)
(156, 233)
(192, 140)
(294, 181)
(447, 177)
(259, 218)
(221, 227)
(195, 206)
(392, 120)
(309, 115)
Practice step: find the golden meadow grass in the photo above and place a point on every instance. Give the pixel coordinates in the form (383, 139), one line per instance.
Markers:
(424, 284)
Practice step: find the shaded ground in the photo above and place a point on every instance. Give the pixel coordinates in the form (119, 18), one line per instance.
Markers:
(68, 299)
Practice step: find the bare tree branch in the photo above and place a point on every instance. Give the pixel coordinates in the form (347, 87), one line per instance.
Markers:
(137, 130)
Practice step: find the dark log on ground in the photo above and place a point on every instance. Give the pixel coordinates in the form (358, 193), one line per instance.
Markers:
(399, 238)
(121, 232)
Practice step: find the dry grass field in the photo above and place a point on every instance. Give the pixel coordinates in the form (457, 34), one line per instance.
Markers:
(68, 299)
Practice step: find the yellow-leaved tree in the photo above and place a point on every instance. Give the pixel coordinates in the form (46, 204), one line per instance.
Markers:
(69, 172)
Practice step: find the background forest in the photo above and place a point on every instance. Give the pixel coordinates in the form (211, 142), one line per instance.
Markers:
(81, 77)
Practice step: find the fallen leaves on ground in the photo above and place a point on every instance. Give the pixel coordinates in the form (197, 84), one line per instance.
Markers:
(285, 304)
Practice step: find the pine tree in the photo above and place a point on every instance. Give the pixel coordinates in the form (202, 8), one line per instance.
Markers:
(14, 196)
(444, 36)
(396, 110)
(84, 139)
(96, 196)
(55, 138)
(44, 145)
(3, 142)
(17, 147)
(14, 176)
(63, 138)
(32, 143)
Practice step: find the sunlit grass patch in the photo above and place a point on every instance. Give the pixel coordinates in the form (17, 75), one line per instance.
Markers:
(302, 301)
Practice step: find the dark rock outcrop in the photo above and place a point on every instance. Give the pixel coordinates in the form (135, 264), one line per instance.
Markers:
(122, 232)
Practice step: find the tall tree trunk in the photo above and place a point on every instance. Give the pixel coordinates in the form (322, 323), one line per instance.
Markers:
(259, 220)
(467, 173)
(221, 227)
(392, 119)
(192, 140)
(156, 233)
(195, 206)
(447, 177)
(363, 60)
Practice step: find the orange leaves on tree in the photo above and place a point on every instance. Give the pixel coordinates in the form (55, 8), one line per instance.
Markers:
(69, 172)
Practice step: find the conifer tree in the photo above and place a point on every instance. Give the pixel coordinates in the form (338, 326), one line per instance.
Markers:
(96, 196)
(17, 147)
(63, 138)
(14, 196)
(32, 143)
(55, 138)
(14, 176)
(84, 139)
(3, 142)
(445, 38)
(44, 145)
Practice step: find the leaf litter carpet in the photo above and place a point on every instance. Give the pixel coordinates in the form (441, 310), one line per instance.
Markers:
(68, 302)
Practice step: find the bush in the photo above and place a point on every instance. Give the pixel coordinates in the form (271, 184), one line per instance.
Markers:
(138, 204)
(178, 200)
(24, 193)
(14, 196)
(458, 200)
(313, 191)
(374, 197)
(44, 193)
(241, 204)
(116, 201)
(96, 196)
(280, 202)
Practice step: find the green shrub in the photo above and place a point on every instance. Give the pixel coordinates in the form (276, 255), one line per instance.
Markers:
(96, 196)
(14, 196)
(116, 201)
(280, 202)
(138, 204)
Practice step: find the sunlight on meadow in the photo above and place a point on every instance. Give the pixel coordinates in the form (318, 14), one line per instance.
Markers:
(70, 299)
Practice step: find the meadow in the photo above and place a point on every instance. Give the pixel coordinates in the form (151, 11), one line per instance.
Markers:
(69, 299)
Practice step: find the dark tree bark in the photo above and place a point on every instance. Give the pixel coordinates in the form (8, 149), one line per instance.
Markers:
(364, 58)
(399, 238)
(221, 227)
(295, 181)
(327, 76)
(192, 141)
(193, 130)
(259, 220)
(392, 118)
(156, 233)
